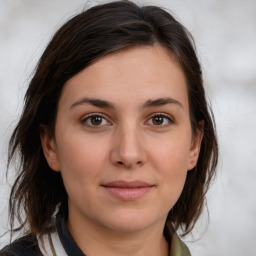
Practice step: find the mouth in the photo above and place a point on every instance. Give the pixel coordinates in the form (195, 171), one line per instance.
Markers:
(127, 190)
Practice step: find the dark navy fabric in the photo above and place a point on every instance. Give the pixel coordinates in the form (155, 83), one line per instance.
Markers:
(28, 245)
(66, 239)
(24, 246)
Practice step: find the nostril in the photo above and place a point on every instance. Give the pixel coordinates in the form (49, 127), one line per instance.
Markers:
(122, 163)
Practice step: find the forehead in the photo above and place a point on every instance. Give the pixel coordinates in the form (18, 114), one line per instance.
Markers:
(134, 74)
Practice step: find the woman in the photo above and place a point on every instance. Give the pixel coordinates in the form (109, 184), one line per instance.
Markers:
(117, 144)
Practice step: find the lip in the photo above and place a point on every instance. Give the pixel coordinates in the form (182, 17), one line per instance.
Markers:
(127, 190)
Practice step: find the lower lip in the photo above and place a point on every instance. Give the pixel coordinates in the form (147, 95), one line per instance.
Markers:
(128, 194)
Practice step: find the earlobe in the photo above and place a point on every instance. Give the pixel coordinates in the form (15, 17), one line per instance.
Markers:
(49, 148)
(195, 146)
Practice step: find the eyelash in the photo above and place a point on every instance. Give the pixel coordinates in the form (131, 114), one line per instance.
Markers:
(162, 115)
(94, 115)
(90, 116)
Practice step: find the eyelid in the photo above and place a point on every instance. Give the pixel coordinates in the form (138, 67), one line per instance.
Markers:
(87, 116)
(170, 118)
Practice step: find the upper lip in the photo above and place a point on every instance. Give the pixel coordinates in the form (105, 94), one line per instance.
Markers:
(127, 184)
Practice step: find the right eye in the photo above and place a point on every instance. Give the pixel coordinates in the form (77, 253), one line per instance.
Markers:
(94, 121)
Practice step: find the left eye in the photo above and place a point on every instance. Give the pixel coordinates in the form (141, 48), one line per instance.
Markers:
(160, 120)
(95, 121)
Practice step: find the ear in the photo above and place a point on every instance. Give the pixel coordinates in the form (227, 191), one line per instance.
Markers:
(49, 148)
(195, 146)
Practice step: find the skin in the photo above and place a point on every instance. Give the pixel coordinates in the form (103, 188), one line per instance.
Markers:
(129, 140)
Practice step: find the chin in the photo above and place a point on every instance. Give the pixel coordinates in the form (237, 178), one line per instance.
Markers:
(133, 222)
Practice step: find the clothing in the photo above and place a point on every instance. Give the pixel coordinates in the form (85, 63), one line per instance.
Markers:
(61, 243)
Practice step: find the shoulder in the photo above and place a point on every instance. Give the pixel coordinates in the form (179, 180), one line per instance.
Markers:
(26, 245)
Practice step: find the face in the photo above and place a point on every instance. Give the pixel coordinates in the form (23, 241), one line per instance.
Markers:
(123, 140)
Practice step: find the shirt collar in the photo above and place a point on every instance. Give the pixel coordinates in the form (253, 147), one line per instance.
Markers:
(178, 248)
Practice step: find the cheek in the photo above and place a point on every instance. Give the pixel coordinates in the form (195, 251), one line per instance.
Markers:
(171, 155)
(171, 161)
(173, 177)
(77, 152)
(81, 163)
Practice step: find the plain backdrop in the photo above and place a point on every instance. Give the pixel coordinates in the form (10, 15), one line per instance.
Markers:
(225, 35)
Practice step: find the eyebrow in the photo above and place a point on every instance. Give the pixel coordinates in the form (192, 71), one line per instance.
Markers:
(94, 102)
(106, 104)
(160, 102)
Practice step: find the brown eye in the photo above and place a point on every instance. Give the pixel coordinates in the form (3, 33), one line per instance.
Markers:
(161, 120)
(95, 121)
(158, 120)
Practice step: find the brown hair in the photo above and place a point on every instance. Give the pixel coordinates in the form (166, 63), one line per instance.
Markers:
(87, 37)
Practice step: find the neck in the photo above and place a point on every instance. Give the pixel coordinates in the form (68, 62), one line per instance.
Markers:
(95, 240)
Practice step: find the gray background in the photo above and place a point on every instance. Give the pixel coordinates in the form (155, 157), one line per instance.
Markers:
(225, 34)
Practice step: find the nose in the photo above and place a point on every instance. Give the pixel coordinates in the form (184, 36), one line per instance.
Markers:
(129, 150)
